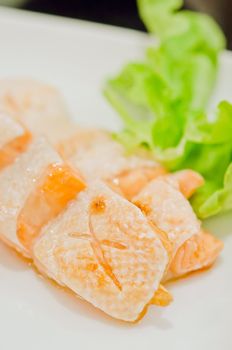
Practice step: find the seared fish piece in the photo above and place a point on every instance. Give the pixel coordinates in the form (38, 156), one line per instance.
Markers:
(38, 106)
(103, 249)
(14, 139)
(187, 181)
(54, 190)
(189, 248)
(199, 251)
(33, 190)
(98, 156)
(132, 181)
(16, 183)
(169, 211)
(196, 253)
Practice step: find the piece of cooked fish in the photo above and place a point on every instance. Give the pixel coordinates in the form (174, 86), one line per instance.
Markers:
(189, 248)
(187, 181)
(103, 248)
(169, 211)
(196, 253)
(52, 190)
(40, 107)
(33, 188)
(98, 156)
(58, 185)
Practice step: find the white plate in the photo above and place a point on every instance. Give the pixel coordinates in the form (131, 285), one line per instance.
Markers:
(35, 314)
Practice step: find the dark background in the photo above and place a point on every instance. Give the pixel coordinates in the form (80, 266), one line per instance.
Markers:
(124, 12)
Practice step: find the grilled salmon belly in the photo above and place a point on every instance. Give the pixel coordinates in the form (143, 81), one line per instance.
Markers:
(196, 253)
(187, 181)
(169, 211)
(97, 155)
(28, 187)
(163, 201)
(103, 248)
(38, 106)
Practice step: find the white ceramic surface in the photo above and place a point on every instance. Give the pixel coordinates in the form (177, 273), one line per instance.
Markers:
(35, 314)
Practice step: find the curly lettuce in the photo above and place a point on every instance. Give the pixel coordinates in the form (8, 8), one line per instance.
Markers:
(162, 100)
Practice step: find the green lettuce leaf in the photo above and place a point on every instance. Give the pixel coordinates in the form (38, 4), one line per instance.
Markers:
(215, 200)
(162, 100)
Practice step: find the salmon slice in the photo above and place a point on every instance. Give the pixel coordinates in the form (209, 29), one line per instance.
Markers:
(54, 190)
(189, 248)
(14, 139)
(97, 155)
(17, 181)
(83, 140)
(169, 212)
(131, 182)
(103, 249)
(188, 181)
(39, 107)
(197, 253)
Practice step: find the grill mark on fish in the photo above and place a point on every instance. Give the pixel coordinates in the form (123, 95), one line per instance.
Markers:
(105, 242)
(113, 244)
(98, 251)
(96, 246)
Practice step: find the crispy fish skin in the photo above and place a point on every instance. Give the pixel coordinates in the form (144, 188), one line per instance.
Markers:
(169, 211)
(82, 140)
(54, 190)
(201, 250)
(197, 253)
(130, 182)
(98, 156)
(187, 181)
(38, 106)
(103, 248)
(16, 183)
(163, 201)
